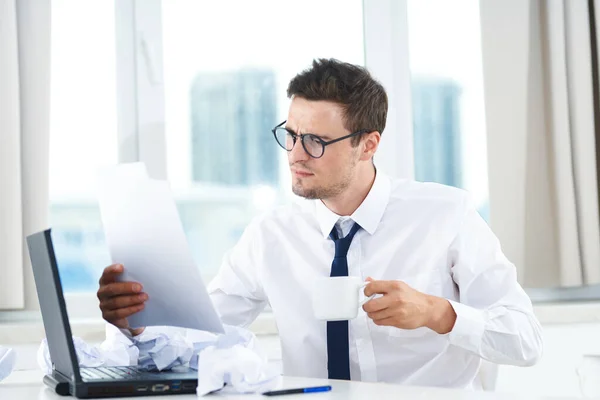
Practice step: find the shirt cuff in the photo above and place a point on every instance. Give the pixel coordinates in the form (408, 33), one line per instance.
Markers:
(468, 329)
(129, 336)
(126, 332)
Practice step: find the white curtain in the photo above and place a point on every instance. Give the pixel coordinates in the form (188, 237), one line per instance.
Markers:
(541, 138)
(24, 147)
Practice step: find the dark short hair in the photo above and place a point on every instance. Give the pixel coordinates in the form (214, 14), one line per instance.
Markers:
(362, 98)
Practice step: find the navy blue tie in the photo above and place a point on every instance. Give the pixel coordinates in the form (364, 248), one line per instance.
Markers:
(338, 350)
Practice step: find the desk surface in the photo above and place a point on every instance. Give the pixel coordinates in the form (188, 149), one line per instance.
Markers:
(29, 387)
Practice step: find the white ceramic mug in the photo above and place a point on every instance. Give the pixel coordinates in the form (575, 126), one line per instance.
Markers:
(338, 298)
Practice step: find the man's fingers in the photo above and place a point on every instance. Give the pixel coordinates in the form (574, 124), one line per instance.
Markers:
(382, 314)
(384, 321)
(110, 273)
(118, 289)
(116, 302)
(122, 312)
(381, 287)
(378, 304)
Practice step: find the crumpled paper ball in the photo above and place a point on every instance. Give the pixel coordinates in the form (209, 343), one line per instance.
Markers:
(163, 352)
(234, 370)
(108, 354)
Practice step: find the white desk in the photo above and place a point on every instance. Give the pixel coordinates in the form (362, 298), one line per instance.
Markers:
(27, 385)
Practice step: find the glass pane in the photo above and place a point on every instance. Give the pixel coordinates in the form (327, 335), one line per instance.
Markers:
(447, 95)
(227, 65)
(83, 134)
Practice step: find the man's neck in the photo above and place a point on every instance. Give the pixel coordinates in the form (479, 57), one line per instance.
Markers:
(347, 202)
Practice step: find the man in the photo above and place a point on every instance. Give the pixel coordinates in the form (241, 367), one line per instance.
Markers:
(448, 296)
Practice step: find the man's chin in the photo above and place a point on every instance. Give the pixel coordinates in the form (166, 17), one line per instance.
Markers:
(301, 191)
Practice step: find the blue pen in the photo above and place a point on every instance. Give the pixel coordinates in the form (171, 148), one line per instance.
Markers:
(300, 390)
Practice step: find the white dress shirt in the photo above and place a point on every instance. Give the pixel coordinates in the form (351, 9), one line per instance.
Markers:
(427, 235)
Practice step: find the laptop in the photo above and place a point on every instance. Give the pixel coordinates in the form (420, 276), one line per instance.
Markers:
(66, 372)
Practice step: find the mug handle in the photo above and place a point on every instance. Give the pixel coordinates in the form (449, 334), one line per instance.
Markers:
(361, 291)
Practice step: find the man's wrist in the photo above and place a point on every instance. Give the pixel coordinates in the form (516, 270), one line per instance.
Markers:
(442, 316)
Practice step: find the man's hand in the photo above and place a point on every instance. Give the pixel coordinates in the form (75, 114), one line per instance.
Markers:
(406, 308)
(119, 300)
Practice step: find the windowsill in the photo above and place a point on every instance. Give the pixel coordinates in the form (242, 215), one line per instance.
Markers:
(563, 313)
(585, 293)
(27, 332)
(92, 330)
(566, 305)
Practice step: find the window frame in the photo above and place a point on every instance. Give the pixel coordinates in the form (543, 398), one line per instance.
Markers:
(386, 56)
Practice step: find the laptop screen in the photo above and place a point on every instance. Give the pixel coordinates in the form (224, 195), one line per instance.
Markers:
(52, 304)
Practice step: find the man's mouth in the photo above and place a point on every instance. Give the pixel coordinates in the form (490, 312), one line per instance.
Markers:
(301, 173)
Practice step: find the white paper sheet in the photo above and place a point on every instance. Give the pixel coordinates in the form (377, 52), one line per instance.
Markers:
(144, 233)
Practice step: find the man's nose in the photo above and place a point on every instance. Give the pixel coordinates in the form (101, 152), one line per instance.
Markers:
(298, 153)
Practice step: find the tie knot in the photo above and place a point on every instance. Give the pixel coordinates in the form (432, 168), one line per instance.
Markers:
(342, 245)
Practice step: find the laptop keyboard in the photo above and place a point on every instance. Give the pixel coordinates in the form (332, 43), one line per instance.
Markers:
(110, 373)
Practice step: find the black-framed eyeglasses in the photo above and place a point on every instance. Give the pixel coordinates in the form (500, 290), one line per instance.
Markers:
(312, 144)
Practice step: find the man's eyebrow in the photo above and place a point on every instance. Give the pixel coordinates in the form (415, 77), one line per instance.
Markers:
(324, 137)
(287, 128)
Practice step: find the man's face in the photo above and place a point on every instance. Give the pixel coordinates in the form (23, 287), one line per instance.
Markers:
(331, 174)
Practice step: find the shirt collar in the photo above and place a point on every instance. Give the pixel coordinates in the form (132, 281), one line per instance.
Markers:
(367, 215)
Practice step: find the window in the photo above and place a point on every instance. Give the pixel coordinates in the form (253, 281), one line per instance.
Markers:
(225, 76)
(83, 135)
(447, 95)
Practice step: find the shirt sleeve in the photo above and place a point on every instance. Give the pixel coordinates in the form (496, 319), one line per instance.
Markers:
(237, 291)
(494, 317)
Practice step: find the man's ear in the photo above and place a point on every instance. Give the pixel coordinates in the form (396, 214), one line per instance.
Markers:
(370, 143)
